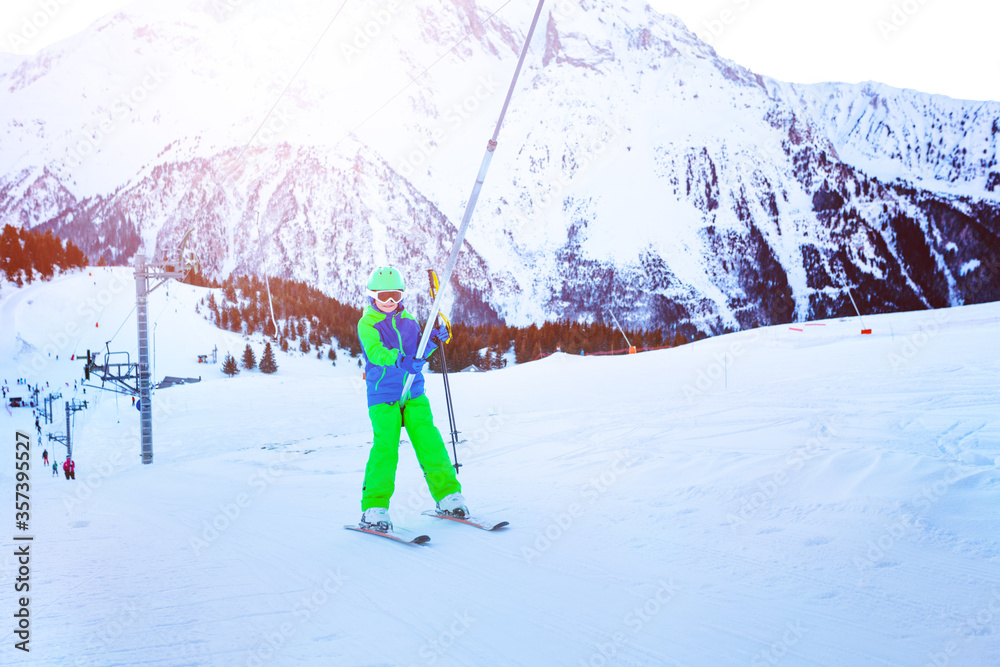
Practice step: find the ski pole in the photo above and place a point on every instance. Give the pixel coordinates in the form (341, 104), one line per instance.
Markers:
(473, 198)
(444, 373)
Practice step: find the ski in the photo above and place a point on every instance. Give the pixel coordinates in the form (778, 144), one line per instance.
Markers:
(398, 535)
(478, 522)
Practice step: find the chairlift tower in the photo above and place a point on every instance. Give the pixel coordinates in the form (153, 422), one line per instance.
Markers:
(71, 406)
(47, 406)
(145, 273)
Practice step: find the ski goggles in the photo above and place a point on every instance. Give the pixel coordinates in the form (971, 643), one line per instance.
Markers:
(386, 296)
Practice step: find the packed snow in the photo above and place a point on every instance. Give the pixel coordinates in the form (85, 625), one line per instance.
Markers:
(799, 494)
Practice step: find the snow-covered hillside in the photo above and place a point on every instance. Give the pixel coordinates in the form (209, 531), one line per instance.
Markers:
(801, 495)
(636, 170)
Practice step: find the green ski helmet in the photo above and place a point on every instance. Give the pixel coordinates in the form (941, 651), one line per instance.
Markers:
(385, 278)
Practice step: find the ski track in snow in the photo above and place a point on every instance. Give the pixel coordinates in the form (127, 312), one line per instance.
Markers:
(810, 498)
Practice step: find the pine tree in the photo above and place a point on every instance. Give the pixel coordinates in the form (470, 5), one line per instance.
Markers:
(11, 256)
(267, 364)
(30, 243)
(49, 254)
(498, 356)
(229, 366)
(332, 354)
(235, 320)
(304, 346)
(528, 339)
(193, 277)
(249, 360)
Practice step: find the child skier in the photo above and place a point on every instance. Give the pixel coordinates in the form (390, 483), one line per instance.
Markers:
(389, 335)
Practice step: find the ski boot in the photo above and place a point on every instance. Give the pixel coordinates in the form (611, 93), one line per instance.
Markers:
(453, 505)
(376, 518)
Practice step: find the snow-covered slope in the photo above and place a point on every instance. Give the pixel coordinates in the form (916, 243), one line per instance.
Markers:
(637, 170)
(800, 495)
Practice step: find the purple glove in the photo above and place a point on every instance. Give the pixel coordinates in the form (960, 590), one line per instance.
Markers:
(441, 334)
(438, 336)
(411, 365)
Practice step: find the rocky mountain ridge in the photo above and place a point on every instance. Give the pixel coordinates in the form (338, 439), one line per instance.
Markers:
(637, 171)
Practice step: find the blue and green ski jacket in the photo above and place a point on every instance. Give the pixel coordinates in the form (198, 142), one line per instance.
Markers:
(385, 337)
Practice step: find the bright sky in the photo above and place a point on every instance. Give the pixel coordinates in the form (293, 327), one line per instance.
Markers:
(27, 26)
(936, 46)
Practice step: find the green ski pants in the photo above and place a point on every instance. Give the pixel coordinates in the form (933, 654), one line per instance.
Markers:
(380, 473)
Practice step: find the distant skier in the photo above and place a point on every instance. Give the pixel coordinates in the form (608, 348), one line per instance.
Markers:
(389, 338)
(69, 468)
(45, 457)
(55, 469)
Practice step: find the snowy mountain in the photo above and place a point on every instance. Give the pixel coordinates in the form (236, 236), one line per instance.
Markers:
(636, 170)
(934, 141)
(827, 499)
